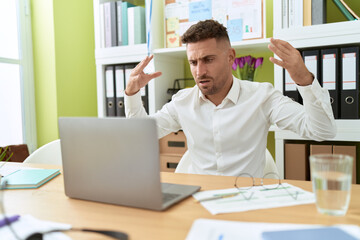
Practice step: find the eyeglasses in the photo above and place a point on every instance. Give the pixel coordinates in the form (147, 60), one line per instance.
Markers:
(40, 235)
(270, 181)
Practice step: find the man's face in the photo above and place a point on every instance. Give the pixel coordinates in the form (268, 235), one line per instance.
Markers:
(210, 63)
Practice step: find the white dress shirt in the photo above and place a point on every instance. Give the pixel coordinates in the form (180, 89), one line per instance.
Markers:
(231, 138)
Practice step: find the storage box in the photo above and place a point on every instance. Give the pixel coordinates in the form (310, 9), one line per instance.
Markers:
(169, 162)
(174, 143)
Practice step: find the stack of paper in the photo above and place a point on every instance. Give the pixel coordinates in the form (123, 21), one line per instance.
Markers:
(255, 198)
(207, 229)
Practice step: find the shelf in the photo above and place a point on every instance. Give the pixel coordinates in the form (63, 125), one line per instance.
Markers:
(321, 35)
(347, 130)
(121, 54)
(243, 47)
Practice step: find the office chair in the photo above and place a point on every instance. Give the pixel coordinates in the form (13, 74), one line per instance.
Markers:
(270, 165)
(49, 153)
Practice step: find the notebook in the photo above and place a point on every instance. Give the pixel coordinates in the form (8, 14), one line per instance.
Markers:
(328, 233)
(29, 178)
(116, 161)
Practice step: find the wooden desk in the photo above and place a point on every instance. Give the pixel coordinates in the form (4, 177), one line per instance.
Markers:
(50, 203)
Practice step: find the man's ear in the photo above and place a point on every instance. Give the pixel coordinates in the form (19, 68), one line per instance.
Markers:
(232, 55)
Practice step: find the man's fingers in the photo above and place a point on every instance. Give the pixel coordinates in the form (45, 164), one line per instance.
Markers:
(277, 51)
(277, 62)
(140, 67)
(281, 44)
(153, 75)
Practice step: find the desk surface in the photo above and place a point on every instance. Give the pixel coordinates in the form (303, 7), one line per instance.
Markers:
(50, 203)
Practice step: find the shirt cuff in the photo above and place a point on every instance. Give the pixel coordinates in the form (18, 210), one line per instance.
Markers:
(134, 101)
(312, 91)
(315, 94)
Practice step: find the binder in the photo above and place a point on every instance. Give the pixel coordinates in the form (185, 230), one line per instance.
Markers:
(296, 162)
(296, 13)
(110, 24)
(312, 62)
(330, 77)
(110, 91)
(307, 13)
(285, 13)
(347, 150)
(119, 90)
(119, 23)
(289, 88)
(349, 96)
(318, 8)
(143, 90)
(136, 25)
(124, 22)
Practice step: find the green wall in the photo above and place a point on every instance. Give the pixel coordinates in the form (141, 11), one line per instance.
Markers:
(64, 63)
(44, 70)
(335, 15)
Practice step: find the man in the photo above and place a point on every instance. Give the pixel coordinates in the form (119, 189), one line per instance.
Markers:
(226, 120)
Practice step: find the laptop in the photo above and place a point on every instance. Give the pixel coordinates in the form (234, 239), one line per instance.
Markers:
(116, 161)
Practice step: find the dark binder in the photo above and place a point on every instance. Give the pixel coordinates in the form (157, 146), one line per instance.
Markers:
(289, 88)
(330, 77)
(312, 62)
(349, 96)
(143, 91)
(119, 90)
(318, 10)
(110, 91)
(144, 98)
(110, 24)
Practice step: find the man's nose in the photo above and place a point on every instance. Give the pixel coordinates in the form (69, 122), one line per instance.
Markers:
(201, 69)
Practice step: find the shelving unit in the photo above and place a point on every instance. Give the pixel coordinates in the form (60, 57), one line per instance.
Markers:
(170, 61)
(341, 33)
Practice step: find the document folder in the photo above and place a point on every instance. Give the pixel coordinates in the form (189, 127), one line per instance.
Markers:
(330, 77)
(289, 88)
(349, 95)
(119, 86)
(312, 62)
(110, 91)
(143, 91)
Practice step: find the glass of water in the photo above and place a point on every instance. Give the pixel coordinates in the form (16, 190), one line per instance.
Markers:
(331, 178)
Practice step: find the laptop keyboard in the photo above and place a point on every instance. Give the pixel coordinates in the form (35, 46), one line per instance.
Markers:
(169, 196)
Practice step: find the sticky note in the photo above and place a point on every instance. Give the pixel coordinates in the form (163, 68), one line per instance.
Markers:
(172, 24)
(172, 40)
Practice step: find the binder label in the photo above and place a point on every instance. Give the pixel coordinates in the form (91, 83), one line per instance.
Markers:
(329, 73)
(290, 85)
(119, 82)
(109, 83)
(348, 73)
(311, 64)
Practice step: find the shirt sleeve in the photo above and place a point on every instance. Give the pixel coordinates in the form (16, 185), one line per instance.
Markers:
(166, 118)
(314, 119)
(134, 107)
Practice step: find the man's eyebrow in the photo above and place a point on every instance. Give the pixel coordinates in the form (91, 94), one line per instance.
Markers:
(204, 57)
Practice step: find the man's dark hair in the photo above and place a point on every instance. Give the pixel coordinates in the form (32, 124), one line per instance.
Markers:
(205, 30)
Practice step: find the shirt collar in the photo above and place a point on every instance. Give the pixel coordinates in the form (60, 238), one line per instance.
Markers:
(233, 94)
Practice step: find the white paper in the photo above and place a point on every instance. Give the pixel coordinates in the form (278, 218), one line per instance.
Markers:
(208, 229)
(259, 200)
(28, 225)
(348, 71)
(329, 73)
(6, 169)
